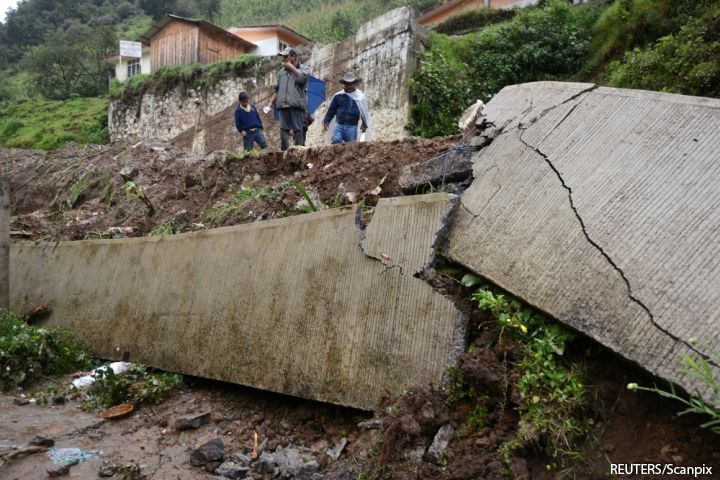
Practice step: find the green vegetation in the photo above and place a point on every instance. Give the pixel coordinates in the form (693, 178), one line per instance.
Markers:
(27, 353)
(700, 369)
(134, 386)
(550, 384)
(459, 389)
(221, 212)
(50, 124)
(474, 20)
(664, 45)
(184, 78)
(547, 43)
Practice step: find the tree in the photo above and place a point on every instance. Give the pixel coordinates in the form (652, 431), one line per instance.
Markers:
(71, 63)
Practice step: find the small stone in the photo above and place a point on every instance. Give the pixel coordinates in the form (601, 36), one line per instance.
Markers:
(40, 441)
(232, 470)
(336, 451)
(107, 471)
(212, 451)
(372, 424)
(192, 422)
(59, 471)
(21, 401)
(440, 444)
(240, 458)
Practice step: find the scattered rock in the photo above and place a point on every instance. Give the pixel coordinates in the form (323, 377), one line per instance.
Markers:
(451, 167)
(287, 463)
(192, 422)
(442, 439)
(40, 441)
(21, 401)
(415, 455)
(336, 451)
(107, 471)
(232, 470)
(212, 451)
(240, 458)
(59, 471)
(128, 173)
(372, 424)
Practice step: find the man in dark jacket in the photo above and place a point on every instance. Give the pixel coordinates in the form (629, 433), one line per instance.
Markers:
(248, 123)
(349, 106)
(291, 99)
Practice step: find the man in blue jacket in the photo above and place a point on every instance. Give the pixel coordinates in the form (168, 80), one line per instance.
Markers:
(349, 106)
(248, 123)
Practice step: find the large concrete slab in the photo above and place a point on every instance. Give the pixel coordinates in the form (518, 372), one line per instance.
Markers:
(291, 305)
(601, 207)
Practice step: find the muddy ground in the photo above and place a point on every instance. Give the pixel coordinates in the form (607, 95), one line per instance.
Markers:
(78, 193)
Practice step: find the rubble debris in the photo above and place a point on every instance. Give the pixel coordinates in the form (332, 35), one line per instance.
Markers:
(192, 422)
(446, 169)
(70, 456)
(371, 424)
(38, 314)
(232, 470)
(337, 450)
(211, 452)
(440, 444)
(59, 471)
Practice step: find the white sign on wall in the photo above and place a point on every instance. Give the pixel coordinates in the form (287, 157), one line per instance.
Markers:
(130, 49)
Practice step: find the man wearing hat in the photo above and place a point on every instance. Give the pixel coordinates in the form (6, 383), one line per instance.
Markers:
(349, 106)
(290, 99)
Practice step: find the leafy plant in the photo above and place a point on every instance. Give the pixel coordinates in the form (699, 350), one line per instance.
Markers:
(550, 385)
(221, 212)
(28, 352)
(301, 190)
(133, 189)
(546, 43)
(134, 386)
(459, 389)
(700, 369)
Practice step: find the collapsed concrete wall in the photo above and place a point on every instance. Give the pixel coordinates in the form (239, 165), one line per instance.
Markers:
(302, 305)
(383, 54)
(600, 207)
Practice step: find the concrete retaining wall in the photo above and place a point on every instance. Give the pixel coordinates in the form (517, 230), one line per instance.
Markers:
(292, 305)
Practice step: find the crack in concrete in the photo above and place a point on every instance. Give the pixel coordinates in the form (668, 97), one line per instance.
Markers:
(521, 123)
(607, 257)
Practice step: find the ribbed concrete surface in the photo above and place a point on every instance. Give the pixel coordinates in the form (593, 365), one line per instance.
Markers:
(291, 305)
(603, 209)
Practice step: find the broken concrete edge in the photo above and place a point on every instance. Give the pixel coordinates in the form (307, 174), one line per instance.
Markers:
(443, 204)
(517, 124)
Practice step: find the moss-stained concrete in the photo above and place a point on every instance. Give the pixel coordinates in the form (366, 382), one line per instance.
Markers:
(292, 305)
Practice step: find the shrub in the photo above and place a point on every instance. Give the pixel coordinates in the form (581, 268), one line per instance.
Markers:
(687, 62)
(546, 43)
(28, 352)
(474, 20)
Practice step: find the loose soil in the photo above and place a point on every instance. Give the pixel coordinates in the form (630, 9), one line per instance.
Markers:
(78, 193)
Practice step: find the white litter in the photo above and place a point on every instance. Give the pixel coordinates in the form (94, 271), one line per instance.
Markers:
(87, 380)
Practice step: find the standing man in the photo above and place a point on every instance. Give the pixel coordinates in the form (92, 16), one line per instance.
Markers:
(348, 106)
(248, 123)
(291, 99)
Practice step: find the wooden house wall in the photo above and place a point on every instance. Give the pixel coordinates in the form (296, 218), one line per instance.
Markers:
(176, 44)
(213, 47)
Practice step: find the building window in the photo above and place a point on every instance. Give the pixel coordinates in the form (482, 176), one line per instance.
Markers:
(282, 46)
(133, 67)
